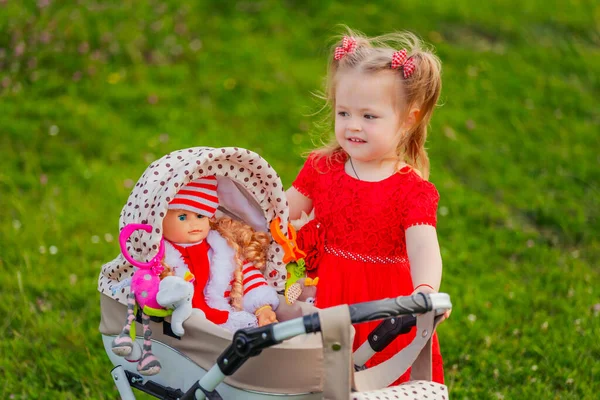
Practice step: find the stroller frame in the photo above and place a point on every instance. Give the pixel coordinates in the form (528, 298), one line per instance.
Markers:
(250, 342)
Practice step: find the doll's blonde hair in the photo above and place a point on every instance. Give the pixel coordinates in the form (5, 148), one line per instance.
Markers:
(248, 244)
(421, 90)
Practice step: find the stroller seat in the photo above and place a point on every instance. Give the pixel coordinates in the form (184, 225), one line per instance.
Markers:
(296, 363)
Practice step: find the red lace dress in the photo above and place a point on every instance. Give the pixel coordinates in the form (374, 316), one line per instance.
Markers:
(356, 243)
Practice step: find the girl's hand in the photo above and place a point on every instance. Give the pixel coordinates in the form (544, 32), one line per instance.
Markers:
(445, 316)
(427, 290)
(266, 316)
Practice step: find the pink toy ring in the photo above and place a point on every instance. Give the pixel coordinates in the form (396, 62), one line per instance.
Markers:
(155, 263)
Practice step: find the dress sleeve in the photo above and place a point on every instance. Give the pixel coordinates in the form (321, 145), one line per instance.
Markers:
(307, 178)
(421, 205)
(257, 292)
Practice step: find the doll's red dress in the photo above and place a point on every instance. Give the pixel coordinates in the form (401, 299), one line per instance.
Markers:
(356, 243)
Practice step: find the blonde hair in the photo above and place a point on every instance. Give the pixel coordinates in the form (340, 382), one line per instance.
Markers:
(248, 245)
(421, 90)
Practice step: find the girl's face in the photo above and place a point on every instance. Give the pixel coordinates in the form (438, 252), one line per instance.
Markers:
(368, 125)
(182, 226)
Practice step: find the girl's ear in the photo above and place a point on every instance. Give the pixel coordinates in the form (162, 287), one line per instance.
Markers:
(412, 118)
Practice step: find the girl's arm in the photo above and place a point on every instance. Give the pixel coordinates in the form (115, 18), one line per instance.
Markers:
(297, 203)
(424, 256)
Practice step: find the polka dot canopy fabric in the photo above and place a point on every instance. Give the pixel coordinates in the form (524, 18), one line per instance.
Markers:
(256, 181)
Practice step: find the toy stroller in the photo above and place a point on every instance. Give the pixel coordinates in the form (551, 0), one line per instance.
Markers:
(209, 361)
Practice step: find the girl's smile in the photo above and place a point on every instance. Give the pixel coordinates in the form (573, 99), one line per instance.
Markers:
(356, 140)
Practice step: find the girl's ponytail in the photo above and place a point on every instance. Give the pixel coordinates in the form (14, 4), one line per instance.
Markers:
(414, 150)
(422, 90)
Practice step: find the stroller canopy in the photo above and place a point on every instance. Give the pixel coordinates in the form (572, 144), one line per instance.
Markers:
(249, 189)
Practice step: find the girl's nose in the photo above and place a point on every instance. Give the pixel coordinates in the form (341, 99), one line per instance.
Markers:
(354, 125)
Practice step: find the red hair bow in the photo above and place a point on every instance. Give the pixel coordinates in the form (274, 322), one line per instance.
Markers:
(399, 60)
(348, 46)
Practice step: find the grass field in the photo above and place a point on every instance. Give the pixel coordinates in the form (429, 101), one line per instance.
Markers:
(91, 92)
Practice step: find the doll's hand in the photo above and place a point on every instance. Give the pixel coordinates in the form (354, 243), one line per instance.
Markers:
(266, 316)
(168, 271)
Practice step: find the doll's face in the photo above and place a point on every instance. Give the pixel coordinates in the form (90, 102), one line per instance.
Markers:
(182, 226)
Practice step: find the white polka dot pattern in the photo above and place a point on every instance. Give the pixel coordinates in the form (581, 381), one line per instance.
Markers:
(415, 390)
(149, 199)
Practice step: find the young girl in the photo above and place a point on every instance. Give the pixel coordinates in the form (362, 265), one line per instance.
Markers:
(373, 235)
(224, 255)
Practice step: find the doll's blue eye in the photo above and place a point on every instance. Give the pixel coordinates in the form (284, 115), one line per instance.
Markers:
(182, 217)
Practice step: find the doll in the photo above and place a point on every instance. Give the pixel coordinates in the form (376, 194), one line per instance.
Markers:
(225, 256)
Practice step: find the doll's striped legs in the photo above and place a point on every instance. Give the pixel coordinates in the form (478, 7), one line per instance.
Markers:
(148, 364)
(122, 345)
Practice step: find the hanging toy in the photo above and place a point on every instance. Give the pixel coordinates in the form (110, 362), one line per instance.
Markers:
(156, 298)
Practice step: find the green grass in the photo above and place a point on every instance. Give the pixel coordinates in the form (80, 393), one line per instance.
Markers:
(91, 93)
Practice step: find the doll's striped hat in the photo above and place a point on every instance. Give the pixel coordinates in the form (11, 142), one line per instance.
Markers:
(198, 196)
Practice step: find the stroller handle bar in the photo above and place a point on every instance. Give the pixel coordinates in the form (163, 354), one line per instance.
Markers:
(250, 342)
(418, 303)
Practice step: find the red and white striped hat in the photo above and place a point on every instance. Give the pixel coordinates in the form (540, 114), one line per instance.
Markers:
(199, 196)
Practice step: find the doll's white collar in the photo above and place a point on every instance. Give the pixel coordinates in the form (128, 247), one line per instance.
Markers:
(189, 244)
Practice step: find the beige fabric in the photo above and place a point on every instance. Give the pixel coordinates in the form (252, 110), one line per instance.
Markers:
(421, 367)
(390, 370)
(336, 329)
(292, 367)
(417, 390)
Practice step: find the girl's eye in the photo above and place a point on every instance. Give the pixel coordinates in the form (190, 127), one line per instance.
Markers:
(370, 116)
(200, 216)
(342, 113)
(182, 217)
